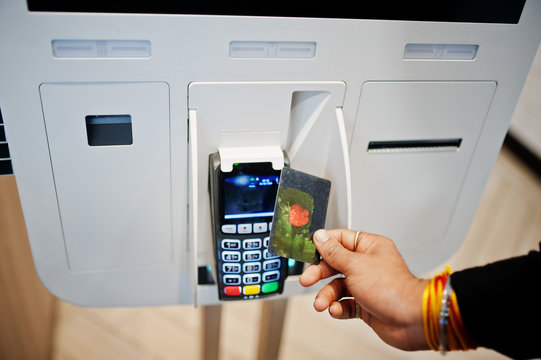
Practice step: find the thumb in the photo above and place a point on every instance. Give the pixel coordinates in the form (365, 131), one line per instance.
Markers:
(332, 251)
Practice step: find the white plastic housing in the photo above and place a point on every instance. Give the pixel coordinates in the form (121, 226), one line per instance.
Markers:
(129, 223)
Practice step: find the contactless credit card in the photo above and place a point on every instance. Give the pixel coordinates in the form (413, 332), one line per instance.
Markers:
(300, 210)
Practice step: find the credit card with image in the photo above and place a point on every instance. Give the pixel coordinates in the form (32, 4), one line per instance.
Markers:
(300, 210)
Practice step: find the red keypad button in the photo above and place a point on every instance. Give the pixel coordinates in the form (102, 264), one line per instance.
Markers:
(232, 290)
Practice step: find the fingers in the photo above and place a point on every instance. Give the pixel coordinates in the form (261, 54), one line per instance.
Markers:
(333, 291)
(313, 273)
(343, 236)
(334, 298)
(332, 250)
(323, 270)
(361, 242)
(344, 309)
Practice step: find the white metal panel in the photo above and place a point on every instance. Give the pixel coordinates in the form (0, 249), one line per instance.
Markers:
(411, 196)
(114, 201)
(187, 49)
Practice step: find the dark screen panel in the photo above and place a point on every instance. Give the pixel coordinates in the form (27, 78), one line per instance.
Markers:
(475, 11)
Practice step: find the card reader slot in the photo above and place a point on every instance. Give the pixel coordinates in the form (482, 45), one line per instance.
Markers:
(423, 145)
(103, 130)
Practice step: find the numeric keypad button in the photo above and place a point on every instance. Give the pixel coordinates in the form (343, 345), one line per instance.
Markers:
(231, 256)
(229, 268)
(273, 264)
(252, 255)
(251, 267)
(231, 244)
(268, 255)
(271, 275)
(231, 279)
(251, 244)
(250, 279)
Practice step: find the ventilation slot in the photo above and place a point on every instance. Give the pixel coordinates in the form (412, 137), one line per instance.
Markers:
(403, 146)
(5, 158)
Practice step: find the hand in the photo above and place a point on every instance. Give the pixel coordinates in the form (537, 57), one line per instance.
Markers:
(378, 279)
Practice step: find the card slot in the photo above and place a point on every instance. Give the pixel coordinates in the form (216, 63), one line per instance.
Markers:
(423, 145)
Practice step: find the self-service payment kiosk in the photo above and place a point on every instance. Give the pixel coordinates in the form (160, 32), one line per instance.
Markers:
(125, 125)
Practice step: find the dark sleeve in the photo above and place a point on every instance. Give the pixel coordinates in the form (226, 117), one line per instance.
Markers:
(500, 304)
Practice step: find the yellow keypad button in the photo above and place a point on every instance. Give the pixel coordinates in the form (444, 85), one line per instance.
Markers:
(251, 290)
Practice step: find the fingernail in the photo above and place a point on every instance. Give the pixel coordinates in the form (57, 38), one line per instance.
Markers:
(321, 236)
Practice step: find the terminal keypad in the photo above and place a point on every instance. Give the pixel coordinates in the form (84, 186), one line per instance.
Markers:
(248, 270)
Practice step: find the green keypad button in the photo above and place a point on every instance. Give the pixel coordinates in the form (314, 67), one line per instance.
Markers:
(269, 287)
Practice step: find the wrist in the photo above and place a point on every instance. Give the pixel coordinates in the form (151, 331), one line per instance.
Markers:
(417, 333)
(442, 323)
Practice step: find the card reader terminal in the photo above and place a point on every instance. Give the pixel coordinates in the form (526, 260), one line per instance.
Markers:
(242, 203)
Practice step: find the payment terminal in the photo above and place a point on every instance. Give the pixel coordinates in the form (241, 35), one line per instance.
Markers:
(242, 205)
